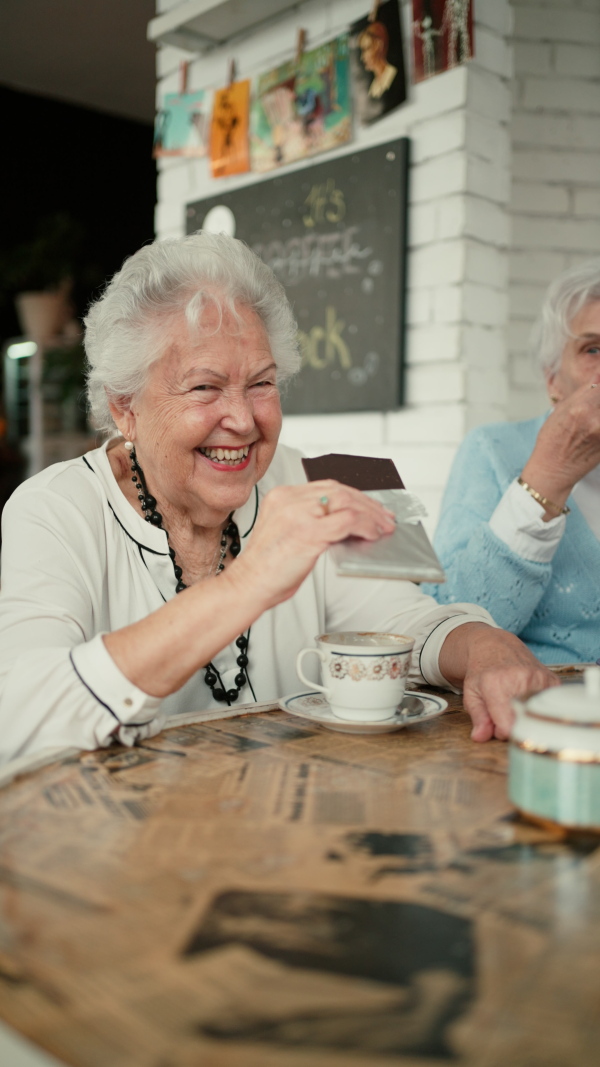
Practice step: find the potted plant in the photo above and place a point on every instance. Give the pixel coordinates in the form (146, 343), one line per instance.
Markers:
(39, 274)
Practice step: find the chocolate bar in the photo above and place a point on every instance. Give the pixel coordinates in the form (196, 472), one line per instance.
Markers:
(407, 553)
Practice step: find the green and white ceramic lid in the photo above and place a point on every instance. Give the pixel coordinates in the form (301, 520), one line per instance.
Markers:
(571, 705)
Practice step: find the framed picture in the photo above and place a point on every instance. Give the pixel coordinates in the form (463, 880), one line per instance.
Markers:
(442, 33)
(377, 63)
(302, 107)
(229, 152)
(181, 126)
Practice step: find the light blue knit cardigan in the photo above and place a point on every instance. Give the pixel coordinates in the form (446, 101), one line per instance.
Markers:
(553, 607)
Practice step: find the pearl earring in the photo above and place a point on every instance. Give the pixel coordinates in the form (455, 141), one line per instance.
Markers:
(129, 446)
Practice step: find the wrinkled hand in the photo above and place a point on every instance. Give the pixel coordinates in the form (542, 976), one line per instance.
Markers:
(495, 667)
(567, 446)
(294, 528)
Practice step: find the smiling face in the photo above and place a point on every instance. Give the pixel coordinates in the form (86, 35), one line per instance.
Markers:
(206, 424)
(580, 360)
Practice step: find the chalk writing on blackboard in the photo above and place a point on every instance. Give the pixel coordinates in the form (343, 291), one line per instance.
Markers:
(317, 255)
(324, 203)
(335, 236)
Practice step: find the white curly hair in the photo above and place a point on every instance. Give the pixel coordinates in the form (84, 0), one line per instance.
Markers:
(565, 297)
(128, 327)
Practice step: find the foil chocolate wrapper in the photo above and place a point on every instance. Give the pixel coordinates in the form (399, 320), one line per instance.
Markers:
(405, 554)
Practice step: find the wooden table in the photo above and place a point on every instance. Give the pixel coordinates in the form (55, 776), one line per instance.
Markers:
(260, 892)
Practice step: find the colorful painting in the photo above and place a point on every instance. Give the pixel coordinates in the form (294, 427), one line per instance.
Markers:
(229, 151)
(302, 107)
(377, 63)
(442, 33)
(180, 127)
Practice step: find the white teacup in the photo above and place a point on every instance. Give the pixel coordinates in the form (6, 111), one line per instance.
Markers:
(364, 673)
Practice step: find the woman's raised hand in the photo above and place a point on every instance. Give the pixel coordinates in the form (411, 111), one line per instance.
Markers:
(296, 524)
(567, 446)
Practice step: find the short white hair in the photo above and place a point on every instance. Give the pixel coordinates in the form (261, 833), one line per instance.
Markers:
(566, 296)
(128, 327)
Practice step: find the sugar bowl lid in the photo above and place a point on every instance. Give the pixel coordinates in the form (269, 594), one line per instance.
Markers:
(571, 705)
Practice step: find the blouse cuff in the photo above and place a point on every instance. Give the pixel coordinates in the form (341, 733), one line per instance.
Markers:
(518, 522)
(430, 652)
(98, 672)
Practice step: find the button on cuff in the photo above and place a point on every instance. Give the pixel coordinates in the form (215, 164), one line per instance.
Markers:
(99, 673)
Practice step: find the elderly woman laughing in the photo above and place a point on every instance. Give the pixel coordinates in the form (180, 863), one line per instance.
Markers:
(183, 564)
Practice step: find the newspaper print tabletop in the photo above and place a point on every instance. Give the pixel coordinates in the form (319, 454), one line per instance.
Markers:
(257, 891)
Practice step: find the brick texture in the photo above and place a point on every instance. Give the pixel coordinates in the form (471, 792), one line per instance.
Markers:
(555, 203)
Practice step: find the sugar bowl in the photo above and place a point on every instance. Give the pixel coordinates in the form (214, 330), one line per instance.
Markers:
(555, 754)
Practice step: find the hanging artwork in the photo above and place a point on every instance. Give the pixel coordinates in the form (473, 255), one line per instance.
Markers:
(442, 35)
(302, 107)
(229, 153)
(377, 62)
(181, 126)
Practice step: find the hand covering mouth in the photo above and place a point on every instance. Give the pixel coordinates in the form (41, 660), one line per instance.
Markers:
(233, 456)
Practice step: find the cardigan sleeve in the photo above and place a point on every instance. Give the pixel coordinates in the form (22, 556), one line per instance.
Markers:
(58, 684)
(480, 566)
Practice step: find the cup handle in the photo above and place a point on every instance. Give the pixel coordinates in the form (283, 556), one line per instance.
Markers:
(311, 685)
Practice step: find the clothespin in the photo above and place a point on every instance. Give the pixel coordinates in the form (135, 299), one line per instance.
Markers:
(183, 77)
(374, 10)
(300, 43)
(232, 72)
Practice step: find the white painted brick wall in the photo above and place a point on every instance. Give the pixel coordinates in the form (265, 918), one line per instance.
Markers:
(488, 95)
(438, 136)
(458, 123)
(555, 200)
(485, 346)
(487, 139)
(434, 343)
(533, 58)
(586, 202)
(493, 52)
(562, 22)
(486, 221)
(575, 168)
(536, 198)
(487, 386)
(531, 266)
(487, 263)
(575, 96)
(577, 61)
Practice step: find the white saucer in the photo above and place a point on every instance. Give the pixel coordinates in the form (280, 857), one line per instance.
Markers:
(415, 707)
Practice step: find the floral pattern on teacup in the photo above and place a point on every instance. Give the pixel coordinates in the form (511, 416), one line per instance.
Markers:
(372, 669)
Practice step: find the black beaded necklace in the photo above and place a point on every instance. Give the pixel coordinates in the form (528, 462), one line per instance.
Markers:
(231, 534)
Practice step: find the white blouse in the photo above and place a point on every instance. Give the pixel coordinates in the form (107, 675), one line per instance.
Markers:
(79, 561)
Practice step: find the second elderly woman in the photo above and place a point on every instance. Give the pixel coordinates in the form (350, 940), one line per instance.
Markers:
(183, 564)
(519, 531)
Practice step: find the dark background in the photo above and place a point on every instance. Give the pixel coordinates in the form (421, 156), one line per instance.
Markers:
(96, 167)
(77, 88)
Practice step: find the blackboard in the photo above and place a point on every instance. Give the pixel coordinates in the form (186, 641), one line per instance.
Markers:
(335, 235)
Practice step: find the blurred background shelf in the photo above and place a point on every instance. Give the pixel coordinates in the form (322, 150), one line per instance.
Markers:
(201, 25)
